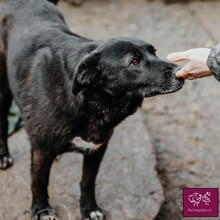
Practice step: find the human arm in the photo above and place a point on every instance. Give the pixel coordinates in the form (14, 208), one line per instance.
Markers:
(213, 61)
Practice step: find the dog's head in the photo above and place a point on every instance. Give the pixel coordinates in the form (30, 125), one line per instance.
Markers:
(125, 66)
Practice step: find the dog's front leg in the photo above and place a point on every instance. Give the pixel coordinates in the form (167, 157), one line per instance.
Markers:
(40, 170)
(91, 164)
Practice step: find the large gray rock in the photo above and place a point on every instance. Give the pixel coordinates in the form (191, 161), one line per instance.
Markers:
(127, 185)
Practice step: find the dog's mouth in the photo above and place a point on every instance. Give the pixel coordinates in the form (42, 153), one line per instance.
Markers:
(179, 82)
(165, 91)
(171, 90)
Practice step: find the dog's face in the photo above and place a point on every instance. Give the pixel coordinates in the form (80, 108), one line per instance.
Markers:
(126, 66)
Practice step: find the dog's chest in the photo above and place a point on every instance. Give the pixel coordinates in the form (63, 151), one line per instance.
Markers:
(83, 145)
(91, 137)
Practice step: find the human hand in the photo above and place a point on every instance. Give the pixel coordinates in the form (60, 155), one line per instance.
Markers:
(196, 67)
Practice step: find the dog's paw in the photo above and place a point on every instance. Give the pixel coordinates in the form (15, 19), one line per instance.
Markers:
(95, 214)
(5, 162)
(48, 217)
(45, 214)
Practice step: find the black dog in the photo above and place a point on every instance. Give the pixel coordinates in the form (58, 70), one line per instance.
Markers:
(72, 92)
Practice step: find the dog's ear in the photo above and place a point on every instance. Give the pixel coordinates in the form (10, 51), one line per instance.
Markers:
(87, 72)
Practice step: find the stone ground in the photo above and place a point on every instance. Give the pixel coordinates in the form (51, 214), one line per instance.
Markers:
(182, 128)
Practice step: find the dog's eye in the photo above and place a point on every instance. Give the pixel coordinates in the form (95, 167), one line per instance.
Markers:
(136, 61)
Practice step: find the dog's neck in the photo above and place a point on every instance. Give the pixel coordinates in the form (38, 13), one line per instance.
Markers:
(108, 108)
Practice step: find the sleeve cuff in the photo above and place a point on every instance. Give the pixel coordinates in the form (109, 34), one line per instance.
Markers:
(213, 61)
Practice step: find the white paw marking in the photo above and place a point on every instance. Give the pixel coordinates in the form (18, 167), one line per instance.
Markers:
(5, 162)
(42, 215)
(49, 217)
(96, 215)
(84, 145)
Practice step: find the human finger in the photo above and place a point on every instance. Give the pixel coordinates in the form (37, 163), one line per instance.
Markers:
(178, 56)
(184, 72)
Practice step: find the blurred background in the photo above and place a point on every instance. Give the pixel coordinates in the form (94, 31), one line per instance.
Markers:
(184, 127)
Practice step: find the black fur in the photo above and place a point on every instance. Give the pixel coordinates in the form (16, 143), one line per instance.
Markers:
(74, 2)
(67, 86)
(54, 1)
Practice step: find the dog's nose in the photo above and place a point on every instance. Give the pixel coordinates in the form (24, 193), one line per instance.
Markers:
(175, 70)
(181, 80)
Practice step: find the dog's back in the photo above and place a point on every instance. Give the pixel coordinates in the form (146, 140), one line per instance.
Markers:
(26, 10)
(26, 26)
(30, 18)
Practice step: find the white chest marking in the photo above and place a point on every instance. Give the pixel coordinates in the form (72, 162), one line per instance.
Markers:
(84, 145)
